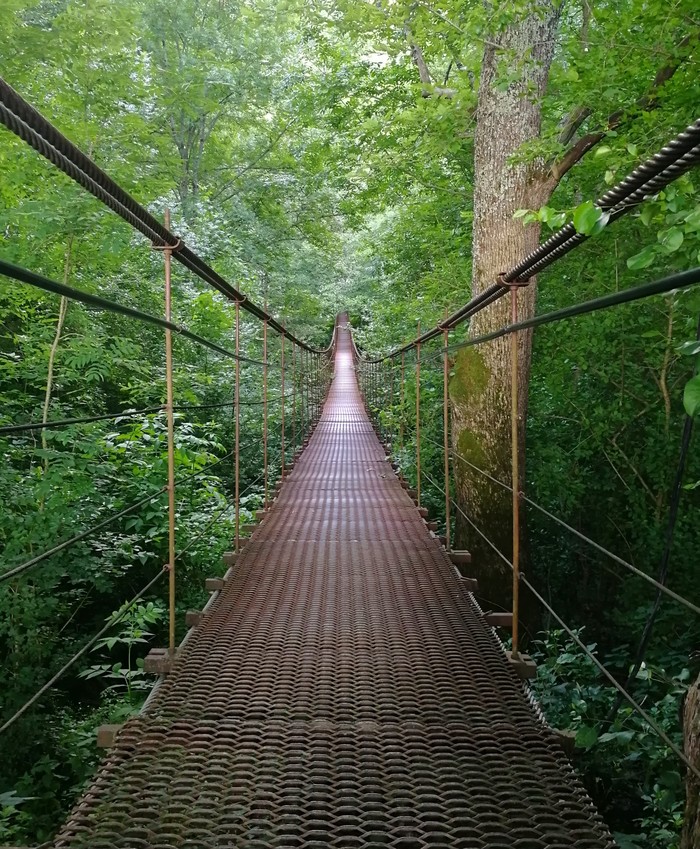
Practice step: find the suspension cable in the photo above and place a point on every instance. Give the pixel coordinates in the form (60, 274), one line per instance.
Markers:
(126, 414)
(23, 275)
(676, 158)
(27, 123)
(113, 620)
(215, 518)
(185, 479)
(641, 574)
(611, 678)
(11, 573)
(608, 675)
(682, 280)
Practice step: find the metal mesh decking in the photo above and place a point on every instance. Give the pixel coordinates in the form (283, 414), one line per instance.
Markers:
(341, 692)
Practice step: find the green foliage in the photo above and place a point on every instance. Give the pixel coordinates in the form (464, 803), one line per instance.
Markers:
(133, 622)
(691, 396)
(631, 775)
(589, 219)
(300, 153)
(197, 107)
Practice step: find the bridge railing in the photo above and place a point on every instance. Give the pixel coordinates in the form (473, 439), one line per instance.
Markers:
(290, 376)
(385, 387)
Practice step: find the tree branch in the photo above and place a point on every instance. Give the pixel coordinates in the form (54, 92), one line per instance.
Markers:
(574, 122)
(419, 62)
(429, 90)
(249, 167)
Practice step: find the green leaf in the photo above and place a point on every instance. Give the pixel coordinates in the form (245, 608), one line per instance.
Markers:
(647, 214)
(671, 239)
(603, 150)
(692, 221)
(600, 224)
(643, 259)
(689, 349)
(586, 216)
(586, 737)
(617, 736)
(691, 396)
(629, 841)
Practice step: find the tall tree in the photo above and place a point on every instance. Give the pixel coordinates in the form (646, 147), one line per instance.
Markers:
(527, 129)
(514, 73)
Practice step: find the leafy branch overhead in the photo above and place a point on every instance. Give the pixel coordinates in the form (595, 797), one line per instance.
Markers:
(390, 159)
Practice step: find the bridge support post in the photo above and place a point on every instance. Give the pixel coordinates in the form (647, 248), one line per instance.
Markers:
(375, 396)
(282, 415)
(418, 418)
(237, 428)
(386, 399)
(392, 373)
(312, 393)
(265, 408)
(304, 396)
(515, 473)
(446, 431)
(317, 389)
(294, 400)
(402, 397)
(167, 254)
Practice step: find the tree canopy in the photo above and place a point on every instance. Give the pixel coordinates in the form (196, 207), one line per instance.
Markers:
(339, 155)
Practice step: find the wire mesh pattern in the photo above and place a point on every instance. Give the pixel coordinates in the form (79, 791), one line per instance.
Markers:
(342, 691)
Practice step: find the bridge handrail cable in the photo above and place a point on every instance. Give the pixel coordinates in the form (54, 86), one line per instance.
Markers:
(680, 155)
(32, 127)
(651, 722)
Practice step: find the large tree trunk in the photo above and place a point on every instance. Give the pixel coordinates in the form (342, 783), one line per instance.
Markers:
(691, 733)
(508, 116)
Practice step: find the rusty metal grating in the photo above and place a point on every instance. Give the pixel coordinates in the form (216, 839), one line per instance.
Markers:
(342, 691)
(321, 784)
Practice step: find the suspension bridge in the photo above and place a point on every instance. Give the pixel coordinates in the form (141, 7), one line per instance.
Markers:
(342, 687)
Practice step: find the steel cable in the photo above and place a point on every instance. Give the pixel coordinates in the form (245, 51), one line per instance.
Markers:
(55, 157)
(216, 516)
(113, 620)
(126, 414)
(29, 125)
(674, 159)
(611, 678)
(649, 189)
(22, 567)
(31, 278)
(662, 286)
(608, 675)
(648, 578)
(185, 479)
(670, 162)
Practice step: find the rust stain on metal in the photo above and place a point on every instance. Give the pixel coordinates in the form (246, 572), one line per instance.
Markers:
(342, 691)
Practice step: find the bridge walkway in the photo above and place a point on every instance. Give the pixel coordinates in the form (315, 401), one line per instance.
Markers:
(341, 691)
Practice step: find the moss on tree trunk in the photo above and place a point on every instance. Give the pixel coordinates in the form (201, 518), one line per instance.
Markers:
(691, 733)
(508, 117)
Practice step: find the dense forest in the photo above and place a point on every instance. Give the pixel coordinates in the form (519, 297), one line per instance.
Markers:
(387, 159)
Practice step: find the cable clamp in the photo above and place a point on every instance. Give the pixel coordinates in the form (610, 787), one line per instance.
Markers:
(511, 284)
(173, 248)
